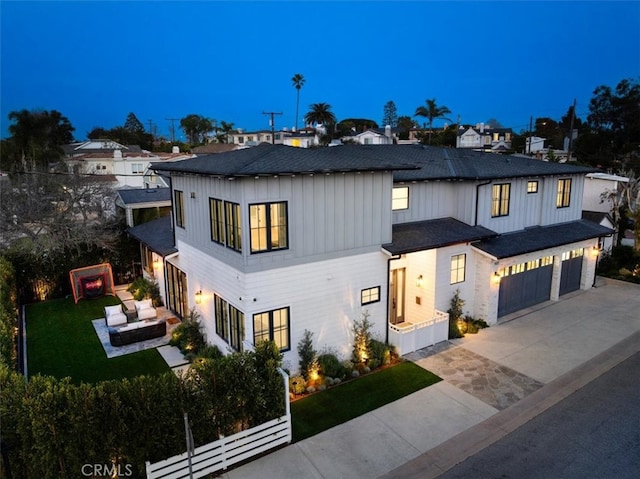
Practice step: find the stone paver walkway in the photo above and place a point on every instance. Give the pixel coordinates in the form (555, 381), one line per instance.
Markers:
(492, 383)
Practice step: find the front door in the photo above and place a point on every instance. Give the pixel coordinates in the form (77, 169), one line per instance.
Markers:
(396, 296)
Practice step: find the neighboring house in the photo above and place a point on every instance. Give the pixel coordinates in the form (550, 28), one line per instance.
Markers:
(606, 220)
(598, 188)
(482, 138)
(252, 138)
(141, 205)
(374, 136)
(272, 241)
(127, 164)
(534, 144)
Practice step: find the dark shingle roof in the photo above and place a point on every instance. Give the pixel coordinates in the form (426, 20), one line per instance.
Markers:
(430, 234)
(410, 162)
(541, 237)
(281, 159)
(156, 234)
(132, 196)
(596, 216)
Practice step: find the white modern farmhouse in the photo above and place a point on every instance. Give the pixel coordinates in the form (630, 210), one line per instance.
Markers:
(269, 241)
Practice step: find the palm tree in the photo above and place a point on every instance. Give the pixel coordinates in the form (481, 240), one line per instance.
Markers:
(320, 113)
(298, 81)
(431, 112)
(225, 128)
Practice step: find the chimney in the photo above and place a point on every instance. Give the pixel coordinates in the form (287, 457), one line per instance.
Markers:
(481, 127)
(387, 131)
(175, 149)
(117, 154)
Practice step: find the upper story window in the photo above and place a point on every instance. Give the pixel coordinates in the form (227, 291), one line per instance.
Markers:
(226, 226)
(496, 136)
(137, 168)
(400, 198)
(277, 137)
(564, 193)
(500, 200)
(507, 136)
(250, 138)
(370, 295)
(458, 264)
(268, 225)
(241, 139)
(532, 186)
(178, 197)
(272, 326)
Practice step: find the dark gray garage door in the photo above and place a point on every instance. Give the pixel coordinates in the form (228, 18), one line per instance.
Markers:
(524, 285)
(571, 271)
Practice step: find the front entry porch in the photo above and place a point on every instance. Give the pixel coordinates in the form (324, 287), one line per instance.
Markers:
(410, 336)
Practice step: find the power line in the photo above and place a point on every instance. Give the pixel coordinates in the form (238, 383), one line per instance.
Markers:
(173, 129)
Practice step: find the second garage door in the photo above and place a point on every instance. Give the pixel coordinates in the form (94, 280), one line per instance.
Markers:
(525, 284)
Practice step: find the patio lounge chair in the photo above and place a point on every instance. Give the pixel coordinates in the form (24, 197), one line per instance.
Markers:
(114, 316)
(145, 309)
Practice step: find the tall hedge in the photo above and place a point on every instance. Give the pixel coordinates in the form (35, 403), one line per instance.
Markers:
(8, 313)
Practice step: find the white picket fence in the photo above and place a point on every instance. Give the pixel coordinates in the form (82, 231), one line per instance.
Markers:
(411, 336)
(227, 451)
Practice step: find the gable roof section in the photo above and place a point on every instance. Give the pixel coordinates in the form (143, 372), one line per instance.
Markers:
(409, 162)
(133, 196)
(430, 234)
(156, 234)
(541, 237)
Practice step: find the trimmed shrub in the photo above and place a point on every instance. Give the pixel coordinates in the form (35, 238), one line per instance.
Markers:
(297, 385)
(330, 366)
(306, 353)
(187, 336)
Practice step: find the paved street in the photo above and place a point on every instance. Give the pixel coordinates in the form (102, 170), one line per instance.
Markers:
(593, 433)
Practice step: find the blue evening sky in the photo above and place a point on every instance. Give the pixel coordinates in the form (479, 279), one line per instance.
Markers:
(97, 61)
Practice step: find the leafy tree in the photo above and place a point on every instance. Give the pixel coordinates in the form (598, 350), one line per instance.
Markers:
(493, 123)
(36, 140)
(446, 137)
(298, 82)
(349, 125)
(390, 116)
(405, 123)
(614, 115)
(132, 124)
(224, 131)
(196, 128)
(320, 113)
(431, 112)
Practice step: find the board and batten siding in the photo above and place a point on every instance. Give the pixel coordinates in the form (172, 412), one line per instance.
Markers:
(538, 209)
(323, 296)
(329, 215)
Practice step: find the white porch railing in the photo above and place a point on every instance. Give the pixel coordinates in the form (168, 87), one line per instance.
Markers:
(410, 336)
(227, 451)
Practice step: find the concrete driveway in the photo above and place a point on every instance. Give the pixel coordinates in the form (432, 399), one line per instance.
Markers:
(544, 354)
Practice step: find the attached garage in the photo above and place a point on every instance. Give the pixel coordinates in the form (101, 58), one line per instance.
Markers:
(571, 271)
(525, 284)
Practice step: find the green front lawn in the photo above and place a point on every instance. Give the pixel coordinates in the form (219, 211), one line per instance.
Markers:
(61, 342)
(339, 404)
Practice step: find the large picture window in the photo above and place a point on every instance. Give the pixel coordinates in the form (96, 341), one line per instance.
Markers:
(458, 264)
(400, 198)
(272, 326)
(236, 323)
(564, 193)
(500, 200)
(178, 197)
(268, 224)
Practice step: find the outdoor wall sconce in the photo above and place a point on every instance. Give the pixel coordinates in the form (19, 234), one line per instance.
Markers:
(419, 281)
(199, 296)
(496, 277)
(595, 251)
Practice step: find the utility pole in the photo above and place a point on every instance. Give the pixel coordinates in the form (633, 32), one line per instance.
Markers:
(151, 128)
(573, 115)
(173, 129)
(530, 132)
(273, 124)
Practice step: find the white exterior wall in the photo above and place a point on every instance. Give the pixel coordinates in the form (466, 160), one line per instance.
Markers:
(593, 188)
(422, 263)
(444, 289)
(323, 297)
(121, 168)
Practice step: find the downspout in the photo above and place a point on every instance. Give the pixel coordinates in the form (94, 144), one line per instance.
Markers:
(392, 258)
(475, 220)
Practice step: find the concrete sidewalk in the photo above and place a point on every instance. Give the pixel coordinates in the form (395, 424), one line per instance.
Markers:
(545, 353)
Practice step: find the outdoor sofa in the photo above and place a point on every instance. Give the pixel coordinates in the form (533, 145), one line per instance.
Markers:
(137, 331)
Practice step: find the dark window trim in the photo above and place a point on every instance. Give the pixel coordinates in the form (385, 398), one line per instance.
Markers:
(233, 227)
(501, 198)
(464, 268)
(271, 334)
(563, 198)
(269, 248)
(536, 190)
(363, 302)
(178, 199)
